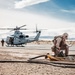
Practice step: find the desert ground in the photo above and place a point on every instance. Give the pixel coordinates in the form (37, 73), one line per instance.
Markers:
(13, 60)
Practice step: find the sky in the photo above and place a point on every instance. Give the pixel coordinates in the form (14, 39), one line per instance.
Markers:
(56, 16)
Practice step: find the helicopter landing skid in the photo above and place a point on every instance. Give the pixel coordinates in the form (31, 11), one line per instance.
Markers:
(15, 46)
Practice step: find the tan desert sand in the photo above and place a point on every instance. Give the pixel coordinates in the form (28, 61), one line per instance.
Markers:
(23, 54)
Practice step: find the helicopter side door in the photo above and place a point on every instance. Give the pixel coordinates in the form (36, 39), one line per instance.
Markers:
(10, 40)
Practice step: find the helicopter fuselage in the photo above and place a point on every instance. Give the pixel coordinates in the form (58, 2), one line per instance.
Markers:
(18, 38)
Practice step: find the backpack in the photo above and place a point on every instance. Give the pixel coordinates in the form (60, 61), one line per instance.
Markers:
(55, 41)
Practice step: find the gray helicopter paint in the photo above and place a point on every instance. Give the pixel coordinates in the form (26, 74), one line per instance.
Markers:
(18, 38)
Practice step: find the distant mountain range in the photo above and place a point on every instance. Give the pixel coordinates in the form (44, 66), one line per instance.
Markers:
(51, 38)
(46, 38)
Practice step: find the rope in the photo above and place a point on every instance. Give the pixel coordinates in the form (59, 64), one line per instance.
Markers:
(53, 63)
(71, 44)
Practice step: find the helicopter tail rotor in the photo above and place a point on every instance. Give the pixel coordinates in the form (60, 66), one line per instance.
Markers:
(39, 30)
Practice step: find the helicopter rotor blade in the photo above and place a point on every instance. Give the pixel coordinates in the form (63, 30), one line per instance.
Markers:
(17, 28)
(22, 26)
(6, 28)
(23, 29)
(3, 28)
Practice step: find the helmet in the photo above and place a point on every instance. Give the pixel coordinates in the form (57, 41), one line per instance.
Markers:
(65, 35)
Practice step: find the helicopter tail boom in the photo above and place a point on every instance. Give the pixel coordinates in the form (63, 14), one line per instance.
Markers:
(37, 36)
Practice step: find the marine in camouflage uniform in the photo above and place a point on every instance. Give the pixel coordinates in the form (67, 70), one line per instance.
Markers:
(60, 44)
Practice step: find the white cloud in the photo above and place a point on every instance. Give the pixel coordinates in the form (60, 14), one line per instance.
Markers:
(7, 4)
(25, 3)
(13, 18)
(68, 11)
(55, 26)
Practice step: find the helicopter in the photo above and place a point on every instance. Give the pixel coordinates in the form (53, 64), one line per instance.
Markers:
(18, 38)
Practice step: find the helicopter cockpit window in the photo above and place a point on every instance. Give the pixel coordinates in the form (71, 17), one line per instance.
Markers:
(21, 36)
